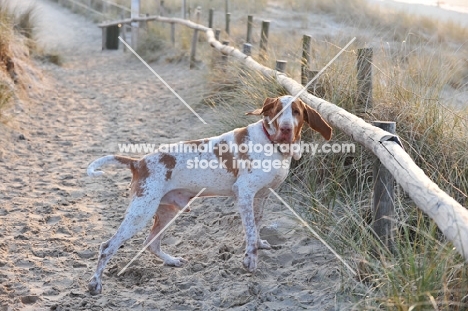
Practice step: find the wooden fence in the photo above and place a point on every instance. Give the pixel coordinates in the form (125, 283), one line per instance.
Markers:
(448, 214)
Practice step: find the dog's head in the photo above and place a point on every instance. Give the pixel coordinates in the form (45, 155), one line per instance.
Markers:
(286, 126)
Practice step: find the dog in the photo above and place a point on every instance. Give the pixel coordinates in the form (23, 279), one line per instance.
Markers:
(165, 181)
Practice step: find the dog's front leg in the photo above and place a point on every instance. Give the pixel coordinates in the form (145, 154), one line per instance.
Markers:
(245, 202)
(258, 212)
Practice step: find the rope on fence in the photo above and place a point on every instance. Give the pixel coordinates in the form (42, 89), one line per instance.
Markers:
(448, 214)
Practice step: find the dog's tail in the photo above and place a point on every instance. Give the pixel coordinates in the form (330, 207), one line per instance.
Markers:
(109, 159)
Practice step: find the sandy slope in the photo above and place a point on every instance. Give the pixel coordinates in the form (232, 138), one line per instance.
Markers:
(439, 13)
(53, 217)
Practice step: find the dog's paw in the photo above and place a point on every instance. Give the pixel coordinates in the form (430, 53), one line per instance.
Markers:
(263, 244)
(250, 262)
(94, 286)
(174, 261)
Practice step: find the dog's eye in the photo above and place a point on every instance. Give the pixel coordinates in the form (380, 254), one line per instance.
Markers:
(295, 111)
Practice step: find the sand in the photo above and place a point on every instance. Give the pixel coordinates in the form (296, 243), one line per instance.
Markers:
(53, 217)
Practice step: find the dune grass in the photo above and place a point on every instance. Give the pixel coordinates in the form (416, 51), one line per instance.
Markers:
(16, 29)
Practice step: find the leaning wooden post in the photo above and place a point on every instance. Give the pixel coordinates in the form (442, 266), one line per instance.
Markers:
(247, 49)
(173, 33)
(364, 78)
(193, 51)
(264, 39)
(305, 62)
(383, 209)
(281, 65)
(228, 22)
(210, 18)
(249, 29)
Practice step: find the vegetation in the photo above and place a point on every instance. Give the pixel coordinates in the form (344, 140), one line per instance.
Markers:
(16, 30)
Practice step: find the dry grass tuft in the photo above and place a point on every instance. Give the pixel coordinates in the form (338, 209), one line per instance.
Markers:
(17, 33)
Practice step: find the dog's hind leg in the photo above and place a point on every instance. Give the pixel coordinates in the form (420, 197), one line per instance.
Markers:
(165, 213)
(139, 213)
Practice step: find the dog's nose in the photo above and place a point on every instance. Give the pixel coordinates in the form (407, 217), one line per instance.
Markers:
(285, 130)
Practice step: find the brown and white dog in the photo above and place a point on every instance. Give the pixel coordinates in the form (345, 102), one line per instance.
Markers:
(164, 182)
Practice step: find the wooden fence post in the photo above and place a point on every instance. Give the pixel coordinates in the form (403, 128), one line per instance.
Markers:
(104, 38)
(224, 57)
(264, 39)
(249, 29)
(104, 8)
(123, 32)
(228, 22)
(173, 34)
(184, 9)
(135, 12)
(305, 62)
(247, 49)
(364, 78)
(217, 33)
(210, 18)
(145, 25)
(198, 14)
(162, 9)
(194, 48)
(383, 209)
(281, 65)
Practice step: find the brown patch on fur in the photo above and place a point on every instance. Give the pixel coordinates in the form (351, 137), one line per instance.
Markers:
(139, 171)
(271, 107)
(228, 157)
(241, 136)
(316, 122)
(197, 142)
(268, 104)
(298, 112)
(169, 162)
(276, 107)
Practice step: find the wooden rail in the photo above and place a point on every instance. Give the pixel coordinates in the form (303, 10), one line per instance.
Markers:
(448, 214)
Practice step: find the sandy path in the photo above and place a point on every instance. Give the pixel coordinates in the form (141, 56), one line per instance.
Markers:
(53, 217)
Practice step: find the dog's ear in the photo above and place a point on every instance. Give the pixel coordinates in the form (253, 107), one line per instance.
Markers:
(267, 106)
(316, 122)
